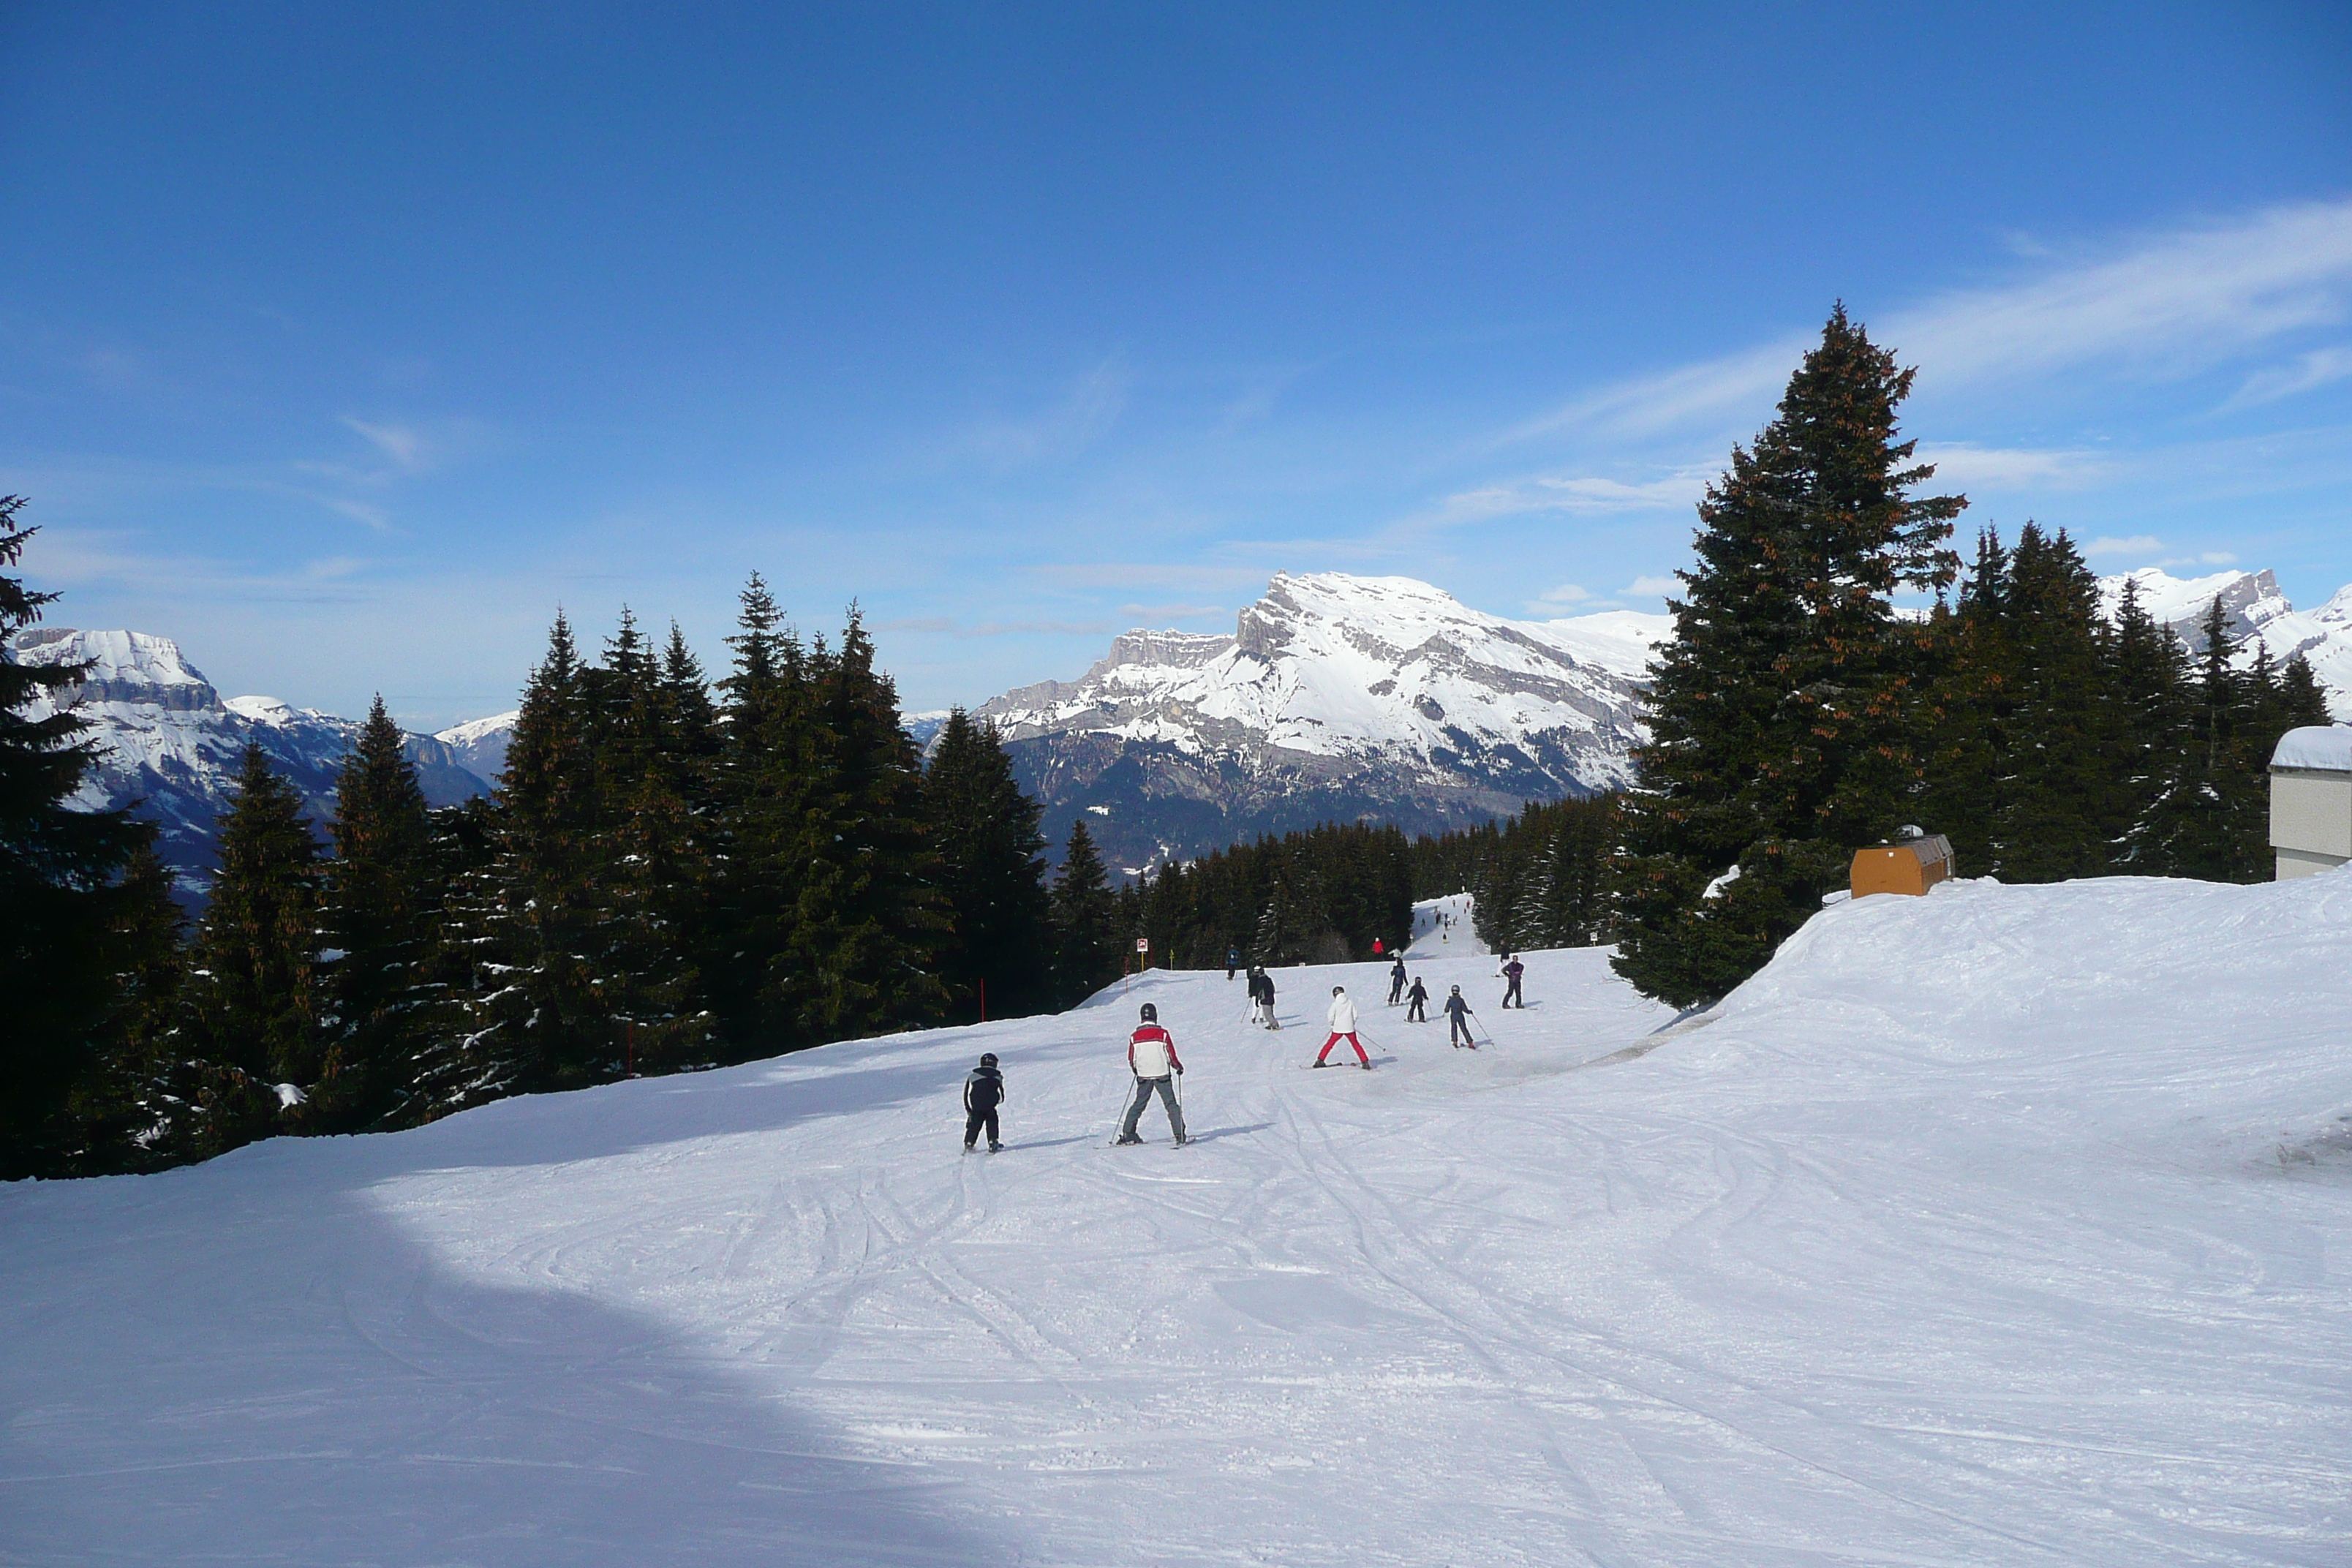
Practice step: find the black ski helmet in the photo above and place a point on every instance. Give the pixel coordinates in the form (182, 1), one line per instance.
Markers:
(1150, 1014)
(1457, 991)
(1338, 990)
(987, 1058)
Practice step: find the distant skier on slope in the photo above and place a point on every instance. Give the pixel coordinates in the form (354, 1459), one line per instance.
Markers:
(1232, 960)
(1396, 981)
(1514, 971)
(1262, 999)
(983, 1091)
(1151, 1057)
(1458, 1016)
(1418, 1000)
(1343, 1027)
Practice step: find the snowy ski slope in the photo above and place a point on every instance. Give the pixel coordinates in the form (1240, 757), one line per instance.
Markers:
(2001, 1226)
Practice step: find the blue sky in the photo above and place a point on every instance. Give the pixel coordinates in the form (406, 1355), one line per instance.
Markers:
(344, 343)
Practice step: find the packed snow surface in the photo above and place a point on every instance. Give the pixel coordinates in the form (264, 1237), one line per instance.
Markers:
(1442, 928)
(2004, 1226)
(2316, 746)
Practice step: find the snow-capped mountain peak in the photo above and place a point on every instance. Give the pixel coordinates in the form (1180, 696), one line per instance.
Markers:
(2251, 600)
(2260, 616)
(1336, 697)
(481, 743)
(170, 746)
(124, 666)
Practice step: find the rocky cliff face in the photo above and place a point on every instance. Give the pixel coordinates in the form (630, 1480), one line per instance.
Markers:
(170, 745)
(1336, 698)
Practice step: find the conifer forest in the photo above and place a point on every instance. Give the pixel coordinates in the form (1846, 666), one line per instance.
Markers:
(678, 870)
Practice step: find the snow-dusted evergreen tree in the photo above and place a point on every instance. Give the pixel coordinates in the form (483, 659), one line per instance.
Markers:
(123, 1115)
(554, 908)
(2147, 679)
(477, 1045)
(253, 1013)
(378, 916)
(1785, 713)
(655, 885)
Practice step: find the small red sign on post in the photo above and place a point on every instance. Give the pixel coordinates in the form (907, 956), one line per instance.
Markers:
(1144, 944)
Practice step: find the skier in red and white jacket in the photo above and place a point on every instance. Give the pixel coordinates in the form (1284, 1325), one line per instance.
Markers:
(1151, 1057)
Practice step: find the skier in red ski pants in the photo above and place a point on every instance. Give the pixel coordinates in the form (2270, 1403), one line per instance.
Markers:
(1343, 1027)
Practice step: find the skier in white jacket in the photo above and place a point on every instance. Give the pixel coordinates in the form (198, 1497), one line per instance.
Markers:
(1343, 1027)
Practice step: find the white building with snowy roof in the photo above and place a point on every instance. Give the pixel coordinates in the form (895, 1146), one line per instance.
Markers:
(2311, 800)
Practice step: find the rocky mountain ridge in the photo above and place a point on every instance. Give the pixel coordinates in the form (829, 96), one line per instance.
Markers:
(169, 744)
(1336, 698)
(2260, 616)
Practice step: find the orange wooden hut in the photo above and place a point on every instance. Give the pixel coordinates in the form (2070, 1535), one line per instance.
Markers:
(1909, 866)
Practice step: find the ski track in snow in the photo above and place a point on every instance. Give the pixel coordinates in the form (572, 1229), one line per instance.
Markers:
(2003, 1227)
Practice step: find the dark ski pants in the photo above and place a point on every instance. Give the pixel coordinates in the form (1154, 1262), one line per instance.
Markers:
(974, 1121)
(1143, 1088)
(1511, 997)
(1414, 1014)
(1396, 992)
(1351, 1040)
(1461, 1030)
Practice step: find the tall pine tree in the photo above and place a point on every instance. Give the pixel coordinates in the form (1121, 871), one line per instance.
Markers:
(378, 918)
(990, 875)
(254, 993)
(1785, 713)
(1085, 914)
(866, 920)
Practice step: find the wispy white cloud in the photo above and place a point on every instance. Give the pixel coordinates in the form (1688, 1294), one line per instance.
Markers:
(401, 443)
(1580, 493)
(1082, 415)
(2137, 544)
(2307, 374)
(1171, 612)
(1652, 587)
(1565, 595)
(2175, 304)
(2004, 468)
(2178, 302)
(1649, 405)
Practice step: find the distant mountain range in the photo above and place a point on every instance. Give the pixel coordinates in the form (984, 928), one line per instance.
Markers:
(2259, 615)
(1335, 698)
(170, 744)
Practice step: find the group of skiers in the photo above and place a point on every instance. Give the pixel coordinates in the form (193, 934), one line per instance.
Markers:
(1152, 1060)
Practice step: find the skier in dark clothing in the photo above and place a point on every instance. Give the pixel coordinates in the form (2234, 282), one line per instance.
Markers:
(1262, 999)
(1458, 1016)
(1232, 960)
(1417, 1000)
(983, 1091)
(1512, 971)
(1396, 981)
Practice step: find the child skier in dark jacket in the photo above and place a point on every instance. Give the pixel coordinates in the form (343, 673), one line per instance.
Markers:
(983, 1091)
